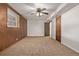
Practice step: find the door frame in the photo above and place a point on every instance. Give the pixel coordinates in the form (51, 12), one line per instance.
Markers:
(58, 28)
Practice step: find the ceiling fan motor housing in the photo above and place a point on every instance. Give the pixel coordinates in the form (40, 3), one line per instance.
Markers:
(38, 9)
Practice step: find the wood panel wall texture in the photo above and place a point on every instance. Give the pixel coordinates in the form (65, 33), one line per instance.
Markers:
(8, 35)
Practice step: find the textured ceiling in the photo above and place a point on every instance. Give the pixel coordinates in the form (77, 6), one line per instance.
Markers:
(26, 9)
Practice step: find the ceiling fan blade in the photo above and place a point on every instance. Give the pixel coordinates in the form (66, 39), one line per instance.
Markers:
(43, 9)
(45, 13)
(32, 13)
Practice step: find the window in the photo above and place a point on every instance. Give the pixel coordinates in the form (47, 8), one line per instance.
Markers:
(13, 19)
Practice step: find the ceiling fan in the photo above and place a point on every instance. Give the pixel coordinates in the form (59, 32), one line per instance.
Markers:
(40, 11)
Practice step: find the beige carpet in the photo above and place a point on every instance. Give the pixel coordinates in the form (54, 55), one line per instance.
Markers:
(38, 46)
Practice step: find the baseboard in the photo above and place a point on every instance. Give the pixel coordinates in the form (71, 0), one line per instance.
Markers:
(35, 36)
(70, 47)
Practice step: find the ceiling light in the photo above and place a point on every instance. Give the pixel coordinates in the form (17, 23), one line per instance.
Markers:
(37, 14)
(41, 14)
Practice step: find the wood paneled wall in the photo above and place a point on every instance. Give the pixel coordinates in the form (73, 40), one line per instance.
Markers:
(9, 35)
(3, 17)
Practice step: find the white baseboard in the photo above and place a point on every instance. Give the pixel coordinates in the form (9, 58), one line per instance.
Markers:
(70, 47)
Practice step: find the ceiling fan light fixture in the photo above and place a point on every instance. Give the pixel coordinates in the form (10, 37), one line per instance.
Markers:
(41, 14)
(37, 14)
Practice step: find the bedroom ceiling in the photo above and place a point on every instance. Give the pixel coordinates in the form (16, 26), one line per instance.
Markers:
(25, 9)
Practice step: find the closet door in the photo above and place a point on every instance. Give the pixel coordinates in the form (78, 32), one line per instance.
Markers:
(46, 29)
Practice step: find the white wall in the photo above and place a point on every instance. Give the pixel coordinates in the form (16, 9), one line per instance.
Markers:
(53, 29)
(70, 28)
(35, 27)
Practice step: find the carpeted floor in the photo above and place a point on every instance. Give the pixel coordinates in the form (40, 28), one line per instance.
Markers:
(38, 46)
